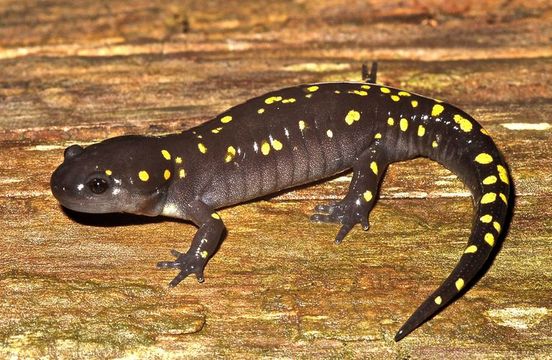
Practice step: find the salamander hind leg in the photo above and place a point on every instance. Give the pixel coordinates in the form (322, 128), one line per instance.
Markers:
(355, 208)
(372, 76)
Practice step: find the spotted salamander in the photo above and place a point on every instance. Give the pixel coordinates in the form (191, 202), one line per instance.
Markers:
(287, 138)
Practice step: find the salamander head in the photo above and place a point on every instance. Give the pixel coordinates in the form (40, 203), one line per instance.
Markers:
(122, 174)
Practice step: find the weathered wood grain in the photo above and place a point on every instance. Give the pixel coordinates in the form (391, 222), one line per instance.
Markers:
(76, 286)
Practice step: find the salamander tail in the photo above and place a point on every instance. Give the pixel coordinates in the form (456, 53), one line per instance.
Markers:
(490, 216)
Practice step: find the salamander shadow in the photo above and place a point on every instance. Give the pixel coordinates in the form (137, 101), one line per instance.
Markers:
(115, 219)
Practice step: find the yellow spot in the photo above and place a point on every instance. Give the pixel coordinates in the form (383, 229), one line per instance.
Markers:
(230, 154)
(421, 130)
(489, 180)
(226, 119)
(486, 218)
(352, 116)
(277, 145)
(166, 154)
(202, 148)
(465, 124)
(502, 174)
(143, 175)
(484, 132)
(302, 125)
(260, 111)
(497, 227)
(329, 133)
(377, 136)
(437, 110)
(395, 97)
(108, 172)
(488, 198)
(390, 121)
(182, 173)
(200, 136)
(434, 144)
(374, 167)
(359, 92)
(337, 91)
(489, 239)
(167, 174)
(459, 284)
(204, 254)
(503, 197)
(367, 195)
(403, 93)
(438, 300)
(308, 96)
(265, 148)
(403, 124)
(484, 158)
(312, 88)
(365, 87)
(273, 99)
(470, 249)
(215, 216)
(414, 103)
(290, 100)
(216, 130)
(178, 160)
(385, 90)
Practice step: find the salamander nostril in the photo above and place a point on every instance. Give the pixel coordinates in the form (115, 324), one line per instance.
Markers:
(72, 151)
(56, 190)
(56, 183)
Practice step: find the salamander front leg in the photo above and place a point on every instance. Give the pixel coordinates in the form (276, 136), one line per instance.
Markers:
(204, 244)
(359, 201)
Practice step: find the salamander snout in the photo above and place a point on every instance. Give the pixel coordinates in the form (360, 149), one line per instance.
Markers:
(58, 183)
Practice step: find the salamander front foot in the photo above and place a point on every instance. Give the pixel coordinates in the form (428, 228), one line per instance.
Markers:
(346, 213)
(188, 264)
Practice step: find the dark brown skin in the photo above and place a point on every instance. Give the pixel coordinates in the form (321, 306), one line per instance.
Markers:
(283, 139)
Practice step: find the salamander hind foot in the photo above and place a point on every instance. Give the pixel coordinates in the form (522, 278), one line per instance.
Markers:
(187, 263)
(347, 212)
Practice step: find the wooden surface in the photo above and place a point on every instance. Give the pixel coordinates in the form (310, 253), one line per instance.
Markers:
(76, 286)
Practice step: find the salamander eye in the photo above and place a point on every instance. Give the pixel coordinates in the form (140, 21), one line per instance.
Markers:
(97, 185)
